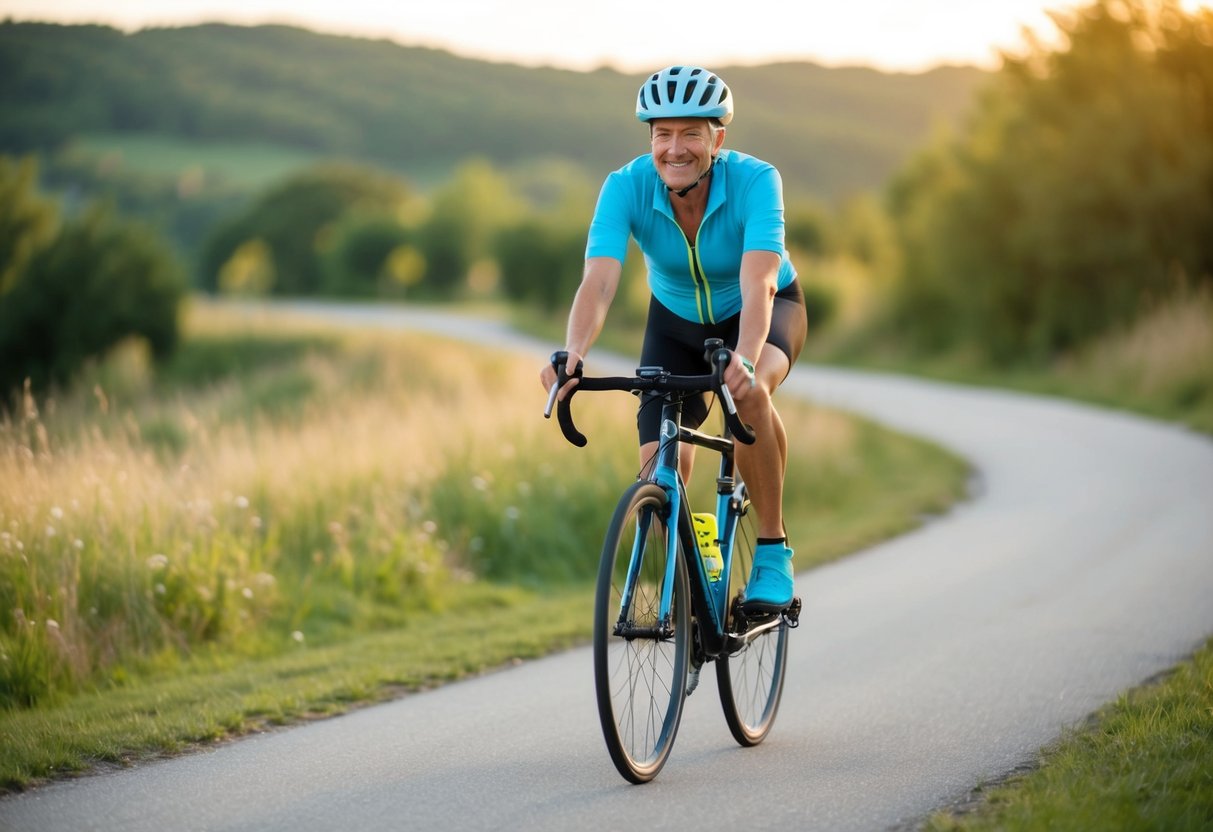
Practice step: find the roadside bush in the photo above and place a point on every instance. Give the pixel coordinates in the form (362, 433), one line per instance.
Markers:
(97, 282)
(370, 258)
(541, 263)
(297, 221)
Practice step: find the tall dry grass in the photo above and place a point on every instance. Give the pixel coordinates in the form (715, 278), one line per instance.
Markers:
(340, 488)
(282, 484)
(1163, 363)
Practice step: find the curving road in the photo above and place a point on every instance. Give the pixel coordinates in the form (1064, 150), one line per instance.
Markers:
(924, 666)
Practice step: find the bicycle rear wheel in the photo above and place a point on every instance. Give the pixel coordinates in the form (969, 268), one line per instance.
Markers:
(750, 679)
(640, 662)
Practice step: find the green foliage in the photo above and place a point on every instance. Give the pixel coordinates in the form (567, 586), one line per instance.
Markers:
(297, 220)
(370, 258)
(466, 215)
(809, 228)
(1082, 188)
(182, 204)
(98, 281)
(541, 262)
(27, 222)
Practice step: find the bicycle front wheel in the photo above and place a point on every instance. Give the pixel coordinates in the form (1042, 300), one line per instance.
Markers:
(640, 657)
(751, 678)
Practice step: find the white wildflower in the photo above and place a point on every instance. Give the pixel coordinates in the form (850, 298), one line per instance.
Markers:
(157, 561)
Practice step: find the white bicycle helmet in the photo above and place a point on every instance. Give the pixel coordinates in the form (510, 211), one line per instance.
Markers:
(684, 92)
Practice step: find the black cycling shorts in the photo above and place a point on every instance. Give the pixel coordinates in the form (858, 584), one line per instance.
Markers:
(676, 344)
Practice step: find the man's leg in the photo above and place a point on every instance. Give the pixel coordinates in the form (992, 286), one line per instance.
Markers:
(762, 466)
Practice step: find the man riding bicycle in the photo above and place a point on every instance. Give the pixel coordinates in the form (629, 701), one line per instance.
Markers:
(709, 222)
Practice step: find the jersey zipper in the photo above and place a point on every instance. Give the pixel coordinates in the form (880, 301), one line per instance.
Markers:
(703, 292)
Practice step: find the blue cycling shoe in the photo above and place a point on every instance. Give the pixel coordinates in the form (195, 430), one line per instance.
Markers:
(771, 587)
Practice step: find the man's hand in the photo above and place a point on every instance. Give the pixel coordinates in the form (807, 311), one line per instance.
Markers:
(739, 376)
(547, 376)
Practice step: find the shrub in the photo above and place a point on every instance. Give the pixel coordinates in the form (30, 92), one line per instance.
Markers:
(98, 282)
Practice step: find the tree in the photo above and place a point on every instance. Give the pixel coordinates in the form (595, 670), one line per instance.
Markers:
(298, 221)
(372, 255)
(1082, 186)
(27, 222)
(541, 262)
(99, 281)
(466, 217)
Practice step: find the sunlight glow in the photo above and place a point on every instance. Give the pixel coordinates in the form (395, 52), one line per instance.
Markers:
(628, 35)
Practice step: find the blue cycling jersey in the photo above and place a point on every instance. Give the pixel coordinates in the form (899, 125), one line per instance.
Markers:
(699, 279)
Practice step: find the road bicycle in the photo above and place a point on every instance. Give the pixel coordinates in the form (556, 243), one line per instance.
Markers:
(660, 613)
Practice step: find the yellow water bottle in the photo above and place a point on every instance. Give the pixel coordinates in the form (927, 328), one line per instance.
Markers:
(709, 546)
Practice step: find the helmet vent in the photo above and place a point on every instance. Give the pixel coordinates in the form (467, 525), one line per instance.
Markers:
(684, 91)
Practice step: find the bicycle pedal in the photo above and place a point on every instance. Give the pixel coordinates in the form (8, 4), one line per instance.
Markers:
(792, 614)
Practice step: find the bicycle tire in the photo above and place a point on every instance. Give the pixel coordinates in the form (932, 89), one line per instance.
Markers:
(640, 681)
(751, 679)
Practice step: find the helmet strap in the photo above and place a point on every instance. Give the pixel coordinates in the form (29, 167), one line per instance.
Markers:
(684, 191)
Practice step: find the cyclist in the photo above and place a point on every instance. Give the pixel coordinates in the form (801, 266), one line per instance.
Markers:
(709, 222)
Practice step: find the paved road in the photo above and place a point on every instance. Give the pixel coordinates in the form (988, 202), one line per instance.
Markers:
(924, 666)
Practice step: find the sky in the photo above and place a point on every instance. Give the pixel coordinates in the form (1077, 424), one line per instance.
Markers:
(628, 35)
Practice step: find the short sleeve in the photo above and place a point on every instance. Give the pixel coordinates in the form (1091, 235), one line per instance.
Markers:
(763, 210)
(611, 226)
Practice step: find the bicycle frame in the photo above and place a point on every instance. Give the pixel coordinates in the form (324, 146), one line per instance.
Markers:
(709, 598)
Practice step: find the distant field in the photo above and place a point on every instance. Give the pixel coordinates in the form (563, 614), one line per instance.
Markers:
(248, 165)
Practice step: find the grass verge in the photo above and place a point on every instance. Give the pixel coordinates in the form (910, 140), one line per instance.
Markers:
(213, 697)
(1143, 762)
(1159, 366)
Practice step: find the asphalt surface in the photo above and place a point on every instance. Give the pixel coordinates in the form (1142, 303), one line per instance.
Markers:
(1082, 565)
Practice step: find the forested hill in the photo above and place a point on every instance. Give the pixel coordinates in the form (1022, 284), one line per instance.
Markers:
(830, 130)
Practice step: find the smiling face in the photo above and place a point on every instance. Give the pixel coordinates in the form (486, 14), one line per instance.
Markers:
(683, 149)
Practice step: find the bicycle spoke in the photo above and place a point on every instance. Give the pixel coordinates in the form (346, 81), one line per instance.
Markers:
(640, 659)
(751, 680)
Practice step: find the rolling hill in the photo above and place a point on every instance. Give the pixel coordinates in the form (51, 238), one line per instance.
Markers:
(832, 131)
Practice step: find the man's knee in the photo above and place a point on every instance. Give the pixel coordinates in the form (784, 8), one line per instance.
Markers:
(755, 408)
